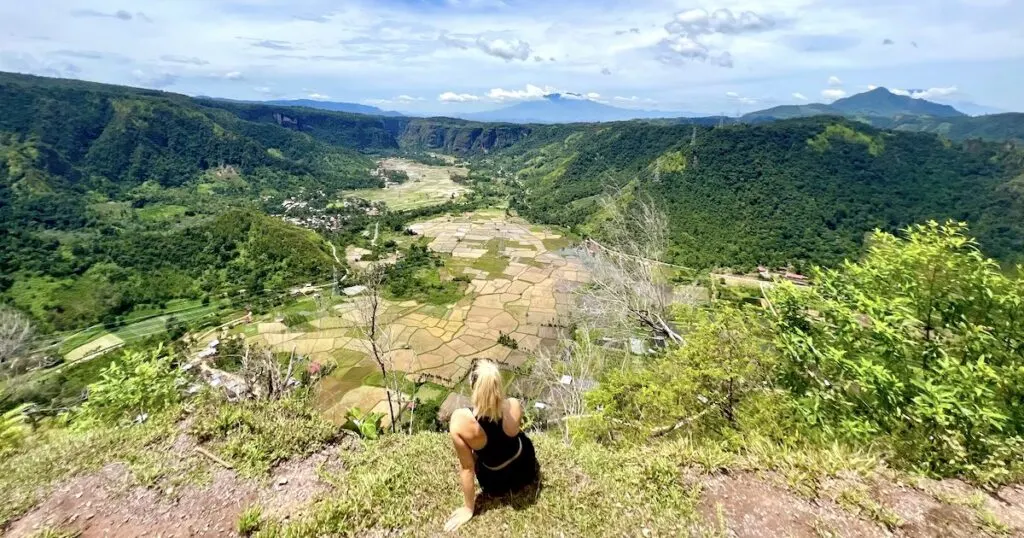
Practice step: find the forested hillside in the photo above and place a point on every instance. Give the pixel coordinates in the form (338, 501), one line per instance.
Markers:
(790, 192)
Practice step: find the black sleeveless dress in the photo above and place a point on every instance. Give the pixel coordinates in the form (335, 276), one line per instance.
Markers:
(506, 463)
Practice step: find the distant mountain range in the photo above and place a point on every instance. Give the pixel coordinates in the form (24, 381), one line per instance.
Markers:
(353, 108)
(568, 108)
(878, 102)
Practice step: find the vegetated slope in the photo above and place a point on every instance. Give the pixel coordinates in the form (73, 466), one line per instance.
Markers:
(791, 192)
(106, 194)
(353, 108)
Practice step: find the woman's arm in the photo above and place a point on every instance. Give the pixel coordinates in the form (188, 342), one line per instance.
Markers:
(467, 472)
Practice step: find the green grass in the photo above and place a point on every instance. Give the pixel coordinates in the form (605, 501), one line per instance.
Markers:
(555, 244)
(257, 435)
(408, 484)
(249, 520)
(160, 212)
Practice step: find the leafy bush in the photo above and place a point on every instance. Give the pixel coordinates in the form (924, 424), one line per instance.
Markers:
(726, 363)
(920, 344)
(507, 341)
(13, 428)
(365, 423)
(257, 435)
(138, 384)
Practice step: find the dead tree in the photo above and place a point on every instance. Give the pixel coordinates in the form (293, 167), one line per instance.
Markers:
(628, 289)
(377, 332)
(16, 336)
(568, 373)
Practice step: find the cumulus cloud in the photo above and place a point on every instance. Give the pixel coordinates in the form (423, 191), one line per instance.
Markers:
(507, 49)
(834, 81)
(800, 97)
(407, 98)
(452, 97)
(593, 95)
(832, 94)
(691, 31)
(928, 94)
(183, 59)
(530, 92)
(234, 75)
(722, 21)
(318, 96)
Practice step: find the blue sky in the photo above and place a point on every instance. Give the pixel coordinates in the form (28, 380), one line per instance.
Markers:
(446, 56)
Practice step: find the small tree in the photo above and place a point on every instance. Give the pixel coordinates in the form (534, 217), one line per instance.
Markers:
(16, 335)
(378, 335)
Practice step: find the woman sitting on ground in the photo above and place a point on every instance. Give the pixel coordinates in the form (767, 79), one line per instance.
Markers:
(490, 444)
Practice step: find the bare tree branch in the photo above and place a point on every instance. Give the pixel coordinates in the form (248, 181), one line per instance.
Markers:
(377, 332)
(16, 336)
(628, 290)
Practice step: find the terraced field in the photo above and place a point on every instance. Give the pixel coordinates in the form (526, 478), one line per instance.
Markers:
(518, 287)
(427, 185)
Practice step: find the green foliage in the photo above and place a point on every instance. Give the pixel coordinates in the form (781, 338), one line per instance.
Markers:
(250, 520)
(724, 371)
(366, 424)
(761, 194)
(919, 345)
(416, 276)
(139, 383)
(255, 436)
(13, 429)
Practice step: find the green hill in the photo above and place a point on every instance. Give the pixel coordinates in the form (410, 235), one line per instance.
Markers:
(880, 102)
(790, 192)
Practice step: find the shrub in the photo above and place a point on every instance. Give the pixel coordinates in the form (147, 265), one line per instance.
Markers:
(703, 385)
(920, 344)
(13, 428)
(138, 384)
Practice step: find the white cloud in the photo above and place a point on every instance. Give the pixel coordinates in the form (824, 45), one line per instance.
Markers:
(721, 21)
(530, 92)
(834, 81)
(593, 95)
(832, 94)
(692, 32)
(800, 97)
(234, 75)
(452, 97)
(318, 96)
(929, 94)
(407, 98)
(631, 99)
(507, 49)
(262, 89)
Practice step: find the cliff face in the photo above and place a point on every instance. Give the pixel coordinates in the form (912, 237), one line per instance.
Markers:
(460, 137)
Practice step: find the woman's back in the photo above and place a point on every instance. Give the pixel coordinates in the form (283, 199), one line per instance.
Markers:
(499, 447)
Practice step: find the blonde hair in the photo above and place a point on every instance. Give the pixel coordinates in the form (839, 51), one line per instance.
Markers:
(488, 391)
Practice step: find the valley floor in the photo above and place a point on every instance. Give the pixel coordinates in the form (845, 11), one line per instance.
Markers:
(406, 485)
